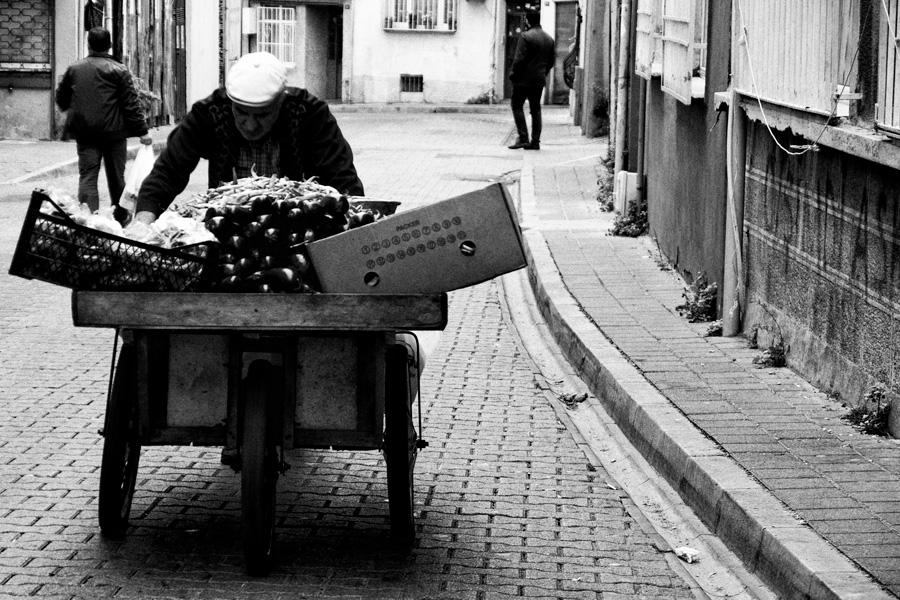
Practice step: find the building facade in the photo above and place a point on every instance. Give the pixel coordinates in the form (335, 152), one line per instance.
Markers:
(766, 135)
(353, 51)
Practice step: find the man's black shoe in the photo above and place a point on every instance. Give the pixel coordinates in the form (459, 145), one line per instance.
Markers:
(532, 146)
(519, 144)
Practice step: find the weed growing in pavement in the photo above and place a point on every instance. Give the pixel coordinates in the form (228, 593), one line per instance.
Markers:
(699, 300)
(488, 97)
(871, 414)
(773, 356)
(714, 329)
(633, 223)
(605, 191)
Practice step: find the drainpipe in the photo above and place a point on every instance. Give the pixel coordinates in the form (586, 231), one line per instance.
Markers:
(733, 292)
(622, 80)
(612, 69)
(643, 99)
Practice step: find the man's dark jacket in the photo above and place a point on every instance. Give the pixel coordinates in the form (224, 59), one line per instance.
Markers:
(98, 93)
(534, 57)
(310, 142)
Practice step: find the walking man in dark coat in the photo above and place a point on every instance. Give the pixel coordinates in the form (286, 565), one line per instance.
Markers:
(535, 56)
(103, 111)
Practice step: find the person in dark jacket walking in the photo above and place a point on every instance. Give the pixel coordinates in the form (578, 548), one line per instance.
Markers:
(258, 125)
(103, 111)
(534, 57)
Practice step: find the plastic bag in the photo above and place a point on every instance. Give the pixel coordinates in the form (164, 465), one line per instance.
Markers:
(140, 168)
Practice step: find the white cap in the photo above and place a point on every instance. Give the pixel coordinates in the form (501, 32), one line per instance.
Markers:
(256, 79)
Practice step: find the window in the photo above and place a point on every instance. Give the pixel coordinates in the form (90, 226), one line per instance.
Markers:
(275, 27)
(887, 109)
(412, 83)
(648, 42)
(671, 42)
(421, 15)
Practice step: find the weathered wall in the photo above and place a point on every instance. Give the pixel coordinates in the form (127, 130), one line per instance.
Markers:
(684, 154)
(315, 41)
(26, 80)
(822, 254)
(455, 66)
(202, 48)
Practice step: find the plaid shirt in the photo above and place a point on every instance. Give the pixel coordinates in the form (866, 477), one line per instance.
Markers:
(262, 156)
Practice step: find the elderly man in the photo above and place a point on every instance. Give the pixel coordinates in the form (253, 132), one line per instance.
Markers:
(258, 124)
(254, 123)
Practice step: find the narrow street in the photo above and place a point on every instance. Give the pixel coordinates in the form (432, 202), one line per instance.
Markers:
(507, 502)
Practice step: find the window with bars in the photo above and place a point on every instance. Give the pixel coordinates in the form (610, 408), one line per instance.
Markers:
(275, 31)
(421, 15)
(671, 42)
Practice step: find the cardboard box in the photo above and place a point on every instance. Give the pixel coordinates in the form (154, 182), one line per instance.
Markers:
(444, 246)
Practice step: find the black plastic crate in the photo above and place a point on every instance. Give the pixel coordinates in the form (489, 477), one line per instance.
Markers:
(54, 248)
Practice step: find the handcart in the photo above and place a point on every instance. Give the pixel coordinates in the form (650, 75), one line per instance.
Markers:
(258, 374)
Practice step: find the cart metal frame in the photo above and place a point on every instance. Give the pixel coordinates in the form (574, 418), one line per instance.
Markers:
(276, 397)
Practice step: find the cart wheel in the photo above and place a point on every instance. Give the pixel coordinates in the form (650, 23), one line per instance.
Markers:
(259, 471)
(399, 450)
(121, 448)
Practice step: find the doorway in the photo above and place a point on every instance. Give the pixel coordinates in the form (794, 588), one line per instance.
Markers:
(515, 24)
(566, 35)
(334, 61)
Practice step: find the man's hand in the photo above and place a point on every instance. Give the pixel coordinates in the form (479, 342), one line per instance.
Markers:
(144, 216)
(146, 140)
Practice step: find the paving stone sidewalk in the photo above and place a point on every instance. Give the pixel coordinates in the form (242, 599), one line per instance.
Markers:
(508, 504)
(779, 429)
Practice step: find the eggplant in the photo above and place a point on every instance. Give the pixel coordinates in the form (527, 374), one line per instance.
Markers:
(281, 278)
(272, 235)
(267, 221)
(253, 229)
(236, 243)
(245, 266)
(300, 263)
(261, 205)
(296, 216)
(238, 213)
(285, 206)
(218, 226)
(230, 283)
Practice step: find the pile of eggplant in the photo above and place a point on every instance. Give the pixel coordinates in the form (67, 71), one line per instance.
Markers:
(262, 225)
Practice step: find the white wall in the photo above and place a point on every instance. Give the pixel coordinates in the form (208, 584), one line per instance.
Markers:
(455, 66)
(202, 49)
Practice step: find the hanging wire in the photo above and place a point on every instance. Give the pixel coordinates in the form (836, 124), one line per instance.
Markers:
(814, 145)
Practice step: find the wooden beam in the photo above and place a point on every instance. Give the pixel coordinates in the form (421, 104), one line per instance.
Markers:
(258, 312)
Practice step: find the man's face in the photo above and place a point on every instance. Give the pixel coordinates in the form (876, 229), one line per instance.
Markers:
(255, 122)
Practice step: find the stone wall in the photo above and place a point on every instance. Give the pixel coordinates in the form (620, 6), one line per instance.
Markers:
(822, 260)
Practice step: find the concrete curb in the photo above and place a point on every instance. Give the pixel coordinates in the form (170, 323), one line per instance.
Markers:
(418, 107)
(69, 167)
(780, 548)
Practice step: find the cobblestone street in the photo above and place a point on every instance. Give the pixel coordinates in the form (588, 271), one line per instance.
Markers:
(507, 504)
